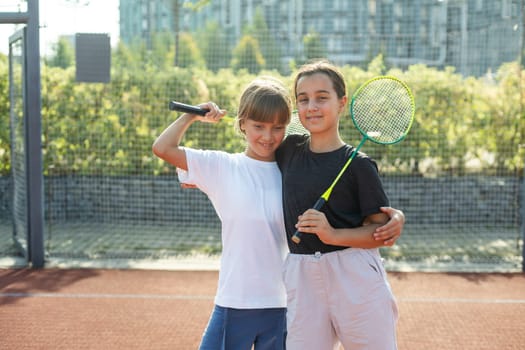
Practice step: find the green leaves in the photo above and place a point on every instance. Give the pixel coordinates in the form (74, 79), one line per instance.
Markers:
(462, 125)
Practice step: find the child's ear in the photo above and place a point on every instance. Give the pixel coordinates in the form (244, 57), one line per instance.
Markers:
(241, 126)
(342, 103)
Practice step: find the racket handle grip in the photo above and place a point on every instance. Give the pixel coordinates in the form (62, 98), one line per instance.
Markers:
(296, 238)
(182, 107)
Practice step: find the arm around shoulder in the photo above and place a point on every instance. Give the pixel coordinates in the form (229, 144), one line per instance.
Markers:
(391, 231)
(362, 236)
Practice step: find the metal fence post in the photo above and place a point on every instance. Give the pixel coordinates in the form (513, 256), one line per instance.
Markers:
(35, 193)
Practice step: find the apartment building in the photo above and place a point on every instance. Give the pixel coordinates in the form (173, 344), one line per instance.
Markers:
(472, 35)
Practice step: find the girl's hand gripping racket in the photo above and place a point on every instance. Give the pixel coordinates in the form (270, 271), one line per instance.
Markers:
(382, 109)
(182, 107)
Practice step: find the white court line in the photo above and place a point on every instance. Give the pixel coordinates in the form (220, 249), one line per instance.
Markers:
(210, 297)
(461, 301)
(106, 296)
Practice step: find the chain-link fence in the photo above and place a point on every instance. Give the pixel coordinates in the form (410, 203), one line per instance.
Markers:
(458, 176)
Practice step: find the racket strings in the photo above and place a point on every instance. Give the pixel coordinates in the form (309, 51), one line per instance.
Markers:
(383, 110)
(296, 127)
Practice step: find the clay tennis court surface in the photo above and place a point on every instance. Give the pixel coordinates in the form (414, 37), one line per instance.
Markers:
(143, 309)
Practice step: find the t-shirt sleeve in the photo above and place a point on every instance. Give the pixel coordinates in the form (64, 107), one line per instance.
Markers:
(369, 186)
(204, 169)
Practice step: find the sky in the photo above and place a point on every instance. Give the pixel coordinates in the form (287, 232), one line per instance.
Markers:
(63, 17)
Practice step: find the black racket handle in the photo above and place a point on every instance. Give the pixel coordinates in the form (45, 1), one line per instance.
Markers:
(317, 206)
(182, 107)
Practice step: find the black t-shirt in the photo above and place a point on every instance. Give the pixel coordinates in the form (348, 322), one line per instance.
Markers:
(306, 176)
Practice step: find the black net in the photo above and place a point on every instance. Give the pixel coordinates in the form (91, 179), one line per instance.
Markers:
(458, 174)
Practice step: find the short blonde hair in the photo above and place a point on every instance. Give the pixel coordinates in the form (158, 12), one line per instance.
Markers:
(266, 100)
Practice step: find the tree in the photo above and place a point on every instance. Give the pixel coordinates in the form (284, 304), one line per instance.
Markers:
(5, 148)
(215, 47)
(189, 54)
(63, 55)
(507, 116)
(313, 46)
(175, 11)
(247, 55)
(162, 53)
(176, 28)
(123, 57)
(270, 50)
(377, 65)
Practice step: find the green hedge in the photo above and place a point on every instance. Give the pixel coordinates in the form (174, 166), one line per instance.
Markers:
(462, 124)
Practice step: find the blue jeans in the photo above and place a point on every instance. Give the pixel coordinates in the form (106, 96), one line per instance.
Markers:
(239, 329)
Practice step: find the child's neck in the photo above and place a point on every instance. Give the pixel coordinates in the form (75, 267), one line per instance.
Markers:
(320, 143)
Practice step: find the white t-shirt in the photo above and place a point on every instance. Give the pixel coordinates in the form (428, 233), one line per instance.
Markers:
(246, 194)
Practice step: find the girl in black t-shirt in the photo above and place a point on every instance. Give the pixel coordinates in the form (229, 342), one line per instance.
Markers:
(336, 284)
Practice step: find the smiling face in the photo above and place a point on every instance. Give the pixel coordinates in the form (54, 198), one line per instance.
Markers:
(262, 138)
(264, 112)
(318, 103)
